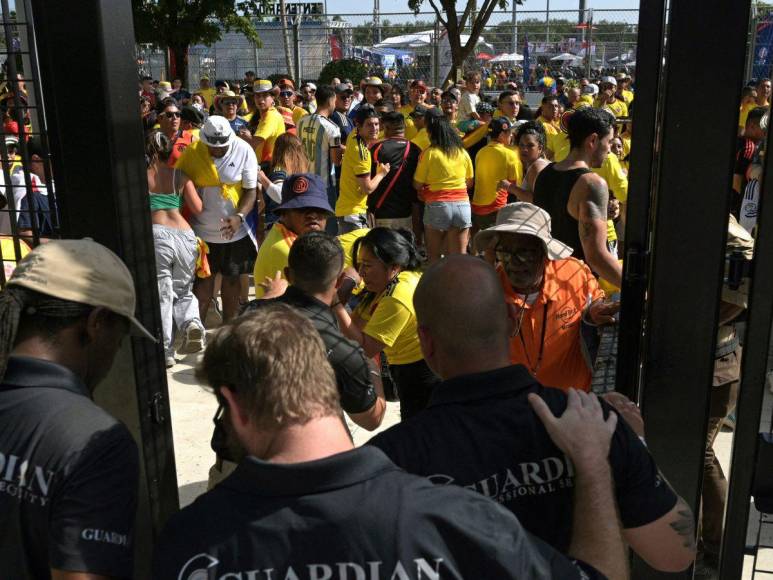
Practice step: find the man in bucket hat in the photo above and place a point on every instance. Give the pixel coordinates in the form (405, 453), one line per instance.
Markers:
(68, 487)
(550, 292)
(305, 208)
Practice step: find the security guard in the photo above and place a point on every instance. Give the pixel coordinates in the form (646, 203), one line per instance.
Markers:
(68, 470)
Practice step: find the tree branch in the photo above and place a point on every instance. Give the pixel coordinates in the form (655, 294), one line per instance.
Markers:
(439, 13)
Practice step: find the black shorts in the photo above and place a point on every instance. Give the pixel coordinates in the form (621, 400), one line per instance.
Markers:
(232, 258)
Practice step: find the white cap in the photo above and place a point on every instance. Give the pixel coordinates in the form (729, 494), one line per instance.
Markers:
(591, 89)
(216, 132)
(611, 80)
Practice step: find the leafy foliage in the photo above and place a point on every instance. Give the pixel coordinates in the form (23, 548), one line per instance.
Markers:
(351, 69)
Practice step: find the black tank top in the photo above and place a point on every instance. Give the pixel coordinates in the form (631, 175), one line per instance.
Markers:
(551, 193)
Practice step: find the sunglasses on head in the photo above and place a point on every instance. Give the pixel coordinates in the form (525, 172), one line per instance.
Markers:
(172, 114)
(220, 140)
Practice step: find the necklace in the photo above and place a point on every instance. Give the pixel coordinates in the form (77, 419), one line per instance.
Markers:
(533, 369)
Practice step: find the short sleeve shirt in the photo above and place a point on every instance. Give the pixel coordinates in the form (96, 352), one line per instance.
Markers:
(273, 255)
(351, 515)
(68, 488)
(356, 161)
(270, 126)
(494, 163)
(547, 341)
(319, 135)
(444, 178)
(398, 200)
(391, 319)
(345, 356)
(347, 244)
(467, 105)
(238, 165)
(521, 468)
(617, 180)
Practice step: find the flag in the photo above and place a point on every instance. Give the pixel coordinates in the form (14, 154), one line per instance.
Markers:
(526, 71)
(335, 48)
(762, 49)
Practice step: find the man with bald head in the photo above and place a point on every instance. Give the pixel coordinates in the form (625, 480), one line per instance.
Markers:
(480, 431)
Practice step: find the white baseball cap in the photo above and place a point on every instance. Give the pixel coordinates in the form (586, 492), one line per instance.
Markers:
(216, 132)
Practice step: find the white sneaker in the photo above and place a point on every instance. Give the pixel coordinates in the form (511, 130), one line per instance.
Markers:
(194, 339)
(170, 362)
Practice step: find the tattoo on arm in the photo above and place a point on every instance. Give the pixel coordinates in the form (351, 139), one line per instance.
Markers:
(684, 525)
(597, 199)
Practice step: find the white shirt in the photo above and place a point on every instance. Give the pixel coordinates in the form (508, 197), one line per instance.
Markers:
(467, 105)
(238, 164)
(19, 189)
(319, 135)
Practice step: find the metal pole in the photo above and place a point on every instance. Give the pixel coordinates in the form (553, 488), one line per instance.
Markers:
(619, 51)
(515, 27)
(547, 22)
(752, 41)
(376, 22)
(255, 48)
(297, 48)
(589, 47)
(581, 15)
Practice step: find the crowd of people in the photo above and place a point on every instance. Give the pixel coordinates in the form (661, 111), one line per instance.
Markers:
(446, 250)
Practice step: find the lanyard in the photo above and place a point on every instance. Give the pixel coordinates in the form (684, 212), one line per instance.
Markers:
(535, 369)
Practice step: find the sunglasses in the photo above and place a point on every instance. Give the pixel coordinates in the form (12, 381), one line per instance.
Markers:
(220, 140)
(520, 254)
(172, 115)
(228, 102)
(286, 94)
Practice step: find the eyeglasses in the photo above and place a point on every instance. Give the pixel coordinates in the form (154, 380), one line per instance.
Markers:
(286, 94)
(519, 254)
(220, 140)
(172, 114)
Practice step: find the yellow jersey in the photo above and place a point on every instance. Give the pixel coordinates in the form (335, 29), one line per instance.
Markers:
(444, 178)
(391, 319)
(421, 139)
(494, 163)
(273, 255)
(551, 127)
(347, 244)
(617, 180)
(356, 161)
(298, 114)
(209, 96)
(744, 113)
(270, 126)
(410, 127)
(618, 108)
(559, 144)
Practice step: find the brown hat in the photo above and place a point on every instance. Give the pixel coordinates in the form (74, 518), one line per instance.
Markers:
(81, 271)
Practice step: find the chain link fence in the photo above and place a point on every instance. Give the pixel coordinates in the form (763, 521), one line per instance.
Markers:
(403, 46)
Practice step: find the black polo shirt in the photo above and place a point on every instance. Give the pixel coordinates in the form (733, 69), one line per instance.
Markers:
(480, 432)
(345, 356)
(350, 515)
(68, 477)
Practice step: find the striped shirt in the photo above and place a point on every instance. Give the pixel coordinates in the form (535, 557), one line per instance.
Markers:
(319, 135)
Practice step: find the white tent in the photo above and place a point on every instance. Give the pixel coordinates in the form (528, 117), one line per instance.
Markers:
(421, 39)
(505, 57)
(564, 56)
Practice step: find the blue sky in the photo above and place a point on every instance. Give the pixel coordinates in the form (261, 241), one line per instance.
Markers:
(347, 6)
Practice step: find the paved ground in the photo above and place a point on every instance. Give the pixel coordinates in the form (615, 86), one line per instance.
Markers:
(193, 408)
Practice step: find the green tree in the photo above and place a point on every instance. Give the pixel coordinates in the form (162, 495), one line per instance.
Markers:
(473, 17)
(178, 24)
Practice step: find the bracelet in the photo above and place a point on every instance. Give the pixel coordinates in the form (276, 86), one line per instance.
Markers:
(241, 216)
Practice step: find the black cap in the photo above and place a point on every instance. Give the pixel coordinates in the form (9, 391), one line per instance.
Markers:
(498, 125)
(191, 114)
(343, 88)
(419, 111)
(449, 94)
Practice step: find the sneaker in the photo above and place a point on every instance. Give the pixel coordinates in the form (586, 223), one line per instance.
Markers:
(170, 362)
(193, 340)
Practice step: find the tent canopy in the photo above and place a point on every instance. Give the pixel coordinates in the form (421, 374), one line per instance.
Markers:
(564, 56)
(505, 57)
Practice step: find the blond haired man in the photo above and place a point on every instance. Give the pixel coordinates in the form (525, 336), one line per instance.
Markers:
(305, 503)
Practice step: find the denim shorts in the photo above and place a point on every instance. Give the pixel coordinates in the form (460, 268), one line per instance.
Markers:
(444, 215)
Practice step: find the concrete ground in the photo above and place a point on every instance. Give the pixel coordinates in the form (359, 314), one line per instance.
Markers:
(192, 409)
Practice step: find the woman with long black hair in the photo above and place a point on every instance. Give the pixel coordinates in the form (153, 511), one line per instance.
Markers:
(384, 320)
(442, 178)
